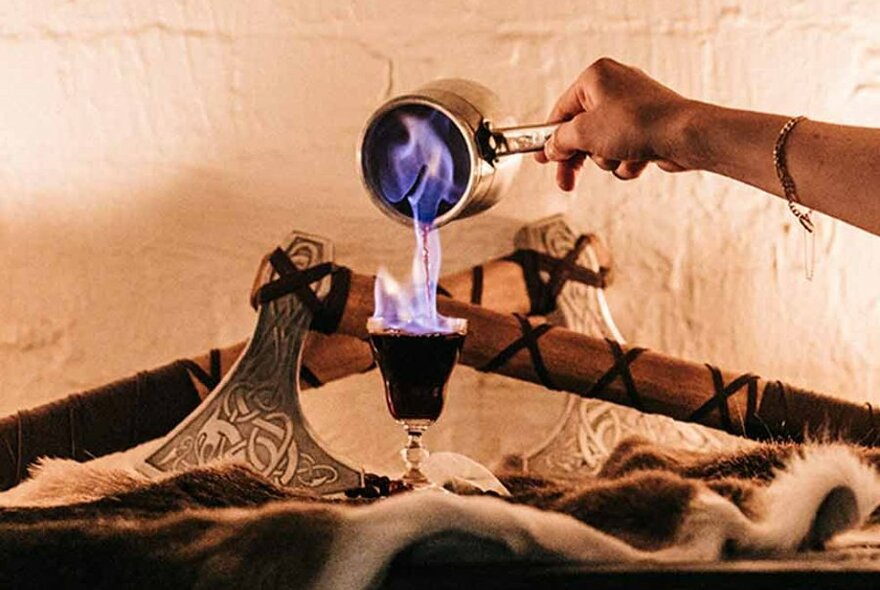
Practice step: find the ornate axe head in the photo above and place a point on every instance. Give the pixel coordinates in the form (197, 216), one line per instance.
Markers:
(254, 415)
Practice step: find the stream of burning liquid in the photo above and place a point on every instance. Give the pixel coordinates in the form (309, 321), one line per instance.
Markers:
(421, 171)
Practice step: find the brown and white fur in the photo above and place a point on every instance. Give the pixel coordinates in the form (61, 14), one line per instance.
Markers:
(80, 526)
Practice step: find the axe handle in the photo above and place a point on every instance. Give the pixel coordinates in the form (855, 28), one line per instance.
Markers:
(658, 383)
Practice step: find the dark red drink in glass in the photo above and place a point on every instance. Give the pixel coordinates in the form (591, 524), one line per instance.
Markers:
(415, 368)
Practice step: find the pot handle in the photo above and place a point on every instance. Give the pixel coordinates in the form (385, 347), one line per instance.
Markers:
(518, 140)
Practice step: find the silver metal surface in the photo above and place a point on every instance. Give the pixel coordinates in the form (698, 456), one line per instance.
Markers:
(520, 140)
(254, 414)
(488, 133)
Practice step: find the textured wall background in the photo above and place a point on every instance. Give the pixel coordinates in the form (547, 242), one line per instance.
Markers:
(151, 152)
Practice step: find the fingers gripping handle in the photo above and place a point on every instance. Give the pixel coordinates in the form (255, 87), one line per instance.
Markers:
(518, 140)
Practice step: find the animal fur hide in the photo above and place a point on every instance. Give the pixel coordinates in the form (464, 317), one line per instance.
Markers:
(75, 525)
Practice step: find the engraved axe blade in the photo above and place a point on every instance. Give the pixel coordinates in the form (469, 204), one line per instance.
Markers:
(581, 308)
(254, 415)
(589, 429)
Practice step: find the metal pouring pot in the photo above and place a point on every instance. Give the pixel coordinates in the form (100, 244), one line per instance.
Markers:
(475, 130)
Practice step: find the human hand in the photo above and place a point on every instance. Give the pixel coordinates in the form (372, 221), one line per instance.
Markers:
(619, 117)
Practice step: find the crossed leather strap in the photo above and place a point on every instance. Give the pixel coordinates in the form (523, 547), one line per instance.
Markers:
(543, 294)
(326, 314)
(723, 392)
(529, 341)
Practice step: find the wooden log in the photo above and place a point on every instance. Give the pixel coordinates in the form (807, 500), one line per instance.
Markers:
(661, 384)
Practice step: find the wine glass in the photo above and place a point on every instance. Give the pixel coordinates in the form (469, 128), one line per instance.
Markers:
(415, 368)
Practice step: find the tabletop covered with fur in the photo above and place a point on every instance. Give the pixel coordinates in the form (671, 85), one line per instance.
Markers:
(77, 525)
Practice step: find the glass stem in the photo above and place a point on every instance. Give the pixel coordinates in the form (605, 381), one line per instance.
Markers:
(413, 455)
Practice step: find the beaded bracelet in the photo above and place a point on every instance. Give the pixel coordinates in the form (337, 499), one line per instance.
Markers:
(788, 187)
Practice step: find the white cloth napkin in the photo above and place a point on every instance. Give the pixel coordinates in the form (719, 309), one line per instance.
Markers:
(462, 474)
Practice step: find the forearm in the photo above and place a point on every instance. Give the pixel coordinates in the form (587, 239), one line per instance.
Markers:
(836, 168)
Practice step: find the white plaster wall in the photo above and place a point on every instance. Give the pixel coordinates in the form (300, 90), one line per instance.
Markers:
(151, 152)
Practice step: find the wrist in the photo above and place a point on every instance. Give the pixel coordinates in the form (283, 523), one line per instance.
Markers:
(685, 140)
